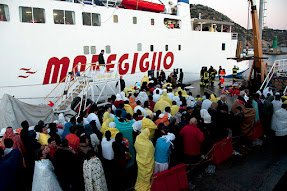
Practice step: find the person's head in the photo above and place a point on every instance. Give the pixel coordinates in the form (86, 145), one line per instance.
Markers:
(150, 97)
(180, 70)
(139, 102)
(126, 102)
(119, 137)
(189, 110)
(73, 120)
(84, 139)
(121, 77)
(73, 129)
(173, 102)
(45, 149)
(102, 51)
(224, 107)
(45, 130)
(223, 98)
(108, 135)
(119, 113)
(52, 142)
(214, 105)
(129, 117)
(65, 143)
(238, 109)
(110, 100)
(91, 154)
(8, 143)
(80, 120)
(38, 128)
(25, 125)
(167, 109)
(139, 112)
(41, 123)
(207, 95)
(158, 112)
(146, 104)
(38, 154)
(193, 121)
(277, 96)
(180, 93)
(121, 105)
(1, 153)
(157, 91)
(190, 93)
(53, 128)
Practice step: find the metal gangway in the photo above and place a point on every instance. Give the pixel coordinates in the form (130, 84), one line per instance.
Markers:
(84, 85)
(279, 69)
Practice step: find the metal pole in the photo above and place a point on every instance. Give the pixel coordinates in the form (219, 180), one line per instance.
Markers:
(261, 14)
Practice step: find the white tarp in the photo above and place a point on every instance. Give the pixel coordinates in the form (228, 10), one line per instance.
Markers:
(13, 112)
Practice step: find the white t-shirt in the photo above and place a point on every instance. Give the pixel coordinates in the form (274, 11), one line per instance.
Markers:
(156, 97)
(92, 117)
(206, 104)
(107, 149)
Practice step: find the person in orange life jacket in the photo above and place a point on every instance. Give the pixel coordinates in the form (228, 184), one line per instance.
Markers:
(219, 70)
(222, 75)
(101, 58)
(192, 139)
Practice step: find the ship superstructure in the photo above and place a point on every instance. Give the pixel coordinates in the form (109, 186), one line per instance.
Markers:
(41, 41)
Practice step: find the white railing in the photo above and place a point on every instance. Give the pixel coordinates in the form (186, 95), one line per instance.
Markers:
(279, 66)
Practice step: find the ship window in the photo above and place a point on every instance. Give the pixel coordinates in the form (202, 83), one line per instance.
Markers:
(70, 17)
(93, 50)
(179, 47)
(86, 18)
(223, 46)
(152, 21)
(86, 50)
(166, 47)
(64, 17)
(108, 49)
(151, 48)
(96, 19)
(116, 19)
(172, 23)
(4, 13)
(134, 20)
(39, 15)
(139, 45)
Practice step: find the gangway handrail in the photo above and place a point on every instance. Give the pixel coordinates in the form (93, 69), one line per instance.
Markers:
(275, 68)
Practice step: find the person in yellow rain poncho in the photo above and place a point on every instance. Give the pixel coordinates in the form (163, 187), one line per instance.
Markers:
(164, 97)
(174, 108)
(184, 94)
(161, 105)
(105, 125)
(166, 85)
(128, 108)
(213, 98)
(112, 129)
(145, 79)
(145, 160)
(107, 114)
(147, 123)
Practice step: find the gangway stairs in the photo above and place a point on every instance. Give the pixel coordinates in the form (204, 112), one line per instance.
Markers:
(277, 77)
(83, 86)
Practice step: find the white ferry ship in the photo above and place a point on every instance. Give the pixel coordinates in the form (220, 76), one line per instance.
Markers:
(41, 41)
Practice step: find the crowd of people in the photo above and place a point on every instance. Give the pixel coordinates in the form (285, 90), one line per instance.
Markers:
(149, 127)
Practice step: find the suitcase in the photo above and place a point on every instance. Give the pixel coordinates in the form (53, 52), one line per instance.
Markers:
(222, 151)
(257, 131)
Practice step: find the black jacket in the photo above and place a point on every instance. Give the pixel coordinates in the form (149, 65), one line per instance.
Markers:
(101, 59)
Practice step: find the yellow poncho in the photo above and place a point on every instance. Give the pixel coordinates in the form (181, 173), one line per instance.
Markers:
(113, 131)
(106, 116)
(167, 85)
(145, 160)
(164, 97)
(147, 123)
(105, 125)
(213, 98)
(145, 79)
(129, 109)
(174, 109)
(161, 105)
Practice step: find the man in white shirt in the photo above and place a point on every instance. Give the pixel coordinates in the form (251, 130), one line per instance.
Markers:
(277, 103)
(93, 116)
(206, 103)
(156, 96)
(170, 94)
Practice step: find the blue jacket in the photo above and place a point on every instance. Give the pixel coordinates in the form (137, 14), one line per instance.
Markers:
(162, 151)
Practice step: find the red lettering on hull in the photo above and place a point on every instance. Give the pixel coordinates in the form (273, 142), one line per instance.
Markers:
(123, 66)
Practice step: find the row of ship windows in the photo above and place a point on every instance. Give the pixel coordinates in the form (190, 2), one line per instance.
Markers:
(108, 48)
(37, 15)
